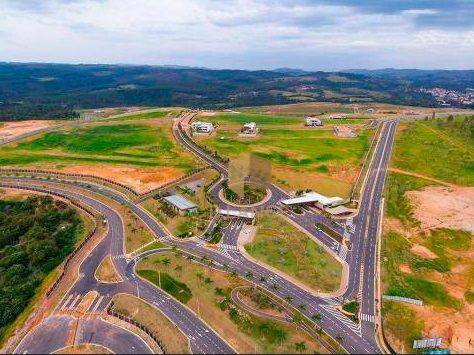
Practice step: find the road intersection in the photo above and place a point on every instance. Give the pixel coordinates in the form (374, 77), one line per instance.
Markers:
(360, 260)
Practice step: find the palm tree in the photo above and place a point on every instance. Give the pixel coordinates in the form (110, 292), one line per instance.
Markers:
(263, 279)
(300, 346)
(274, 287)
(302, 307)
(234, 273)
(249, 274)
(219, 291)
(288, 299)
(339, 338)
(297, 318)
(166, 262)
(225, 266)
(208, 280)
(317, 317)
(200, 275)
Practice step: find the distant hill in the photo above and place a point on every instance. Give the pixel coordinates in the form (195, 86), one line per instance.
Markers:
(448, 79)
(62, 87)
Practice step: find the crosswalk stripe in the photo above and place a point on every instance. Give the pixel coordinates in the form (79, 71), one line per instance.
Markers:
(66, 302)
(229, 247)
(74, 303)
(367, 317)
(342, 318)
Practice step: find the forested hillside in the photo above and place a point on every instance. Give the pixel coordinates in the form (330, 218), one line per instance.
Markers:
(54, 90)
(36, 234)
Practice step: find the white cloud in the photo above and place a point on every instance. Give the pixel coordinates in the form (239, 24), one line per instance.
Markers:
(228, 33)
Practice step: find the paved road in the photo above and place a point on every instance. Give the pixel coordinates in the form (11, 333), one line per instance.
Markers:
(202, 338)
(358, 338)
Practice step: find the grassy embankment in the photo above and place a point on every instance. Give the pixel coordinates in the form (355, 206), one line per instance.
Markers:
(441, 150)
(301, 157)
(207, 292)
(281, 245)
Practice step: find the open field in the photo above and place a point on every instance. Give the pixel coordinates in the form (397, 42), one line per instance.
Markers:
(326, 108)
(427, 246)
(147, 114)
(323, 162)
(283, 246)
(174, 341)
(142, 155)
(440, 149)
(10, 130)
(211, 300)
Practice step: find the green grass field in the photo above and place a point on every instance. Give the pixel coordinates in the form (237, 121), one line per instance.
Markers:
(398, 205)
(134, 144)
(241, 118)
(281, 245)
(175, 288)
(301, 158)
(143, 115)
(437, 148)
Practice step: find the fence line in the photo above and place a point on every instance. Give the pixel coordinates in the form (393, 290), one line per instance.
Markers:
(132, 321)
(403, 299)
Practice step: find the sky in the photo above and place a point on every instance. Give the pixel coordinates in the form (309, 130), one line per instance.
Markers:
(242, 34)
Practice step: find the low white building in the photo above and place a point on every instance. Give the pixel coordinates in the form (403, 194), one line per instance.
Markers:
(202, 127)
(313, 121)
(313, 198)
(337, 116)
(250, 128)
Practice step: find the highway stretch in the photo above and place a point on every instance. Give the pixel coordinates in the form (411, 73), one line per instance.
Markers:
(360, 260)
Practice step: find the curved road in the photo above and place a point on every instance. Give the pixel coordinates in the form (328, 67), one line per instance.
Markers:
(357, 338)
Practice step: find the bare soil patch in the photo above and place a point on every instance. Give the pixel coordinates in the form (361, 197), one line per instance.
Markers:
(455, 328)
(405, 268)
(140, 179)
(423, 252)
(12, 129)
(443, 207)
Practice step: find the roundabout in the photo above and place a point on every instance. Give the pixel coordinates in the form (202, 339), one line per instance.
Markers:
(230, 198)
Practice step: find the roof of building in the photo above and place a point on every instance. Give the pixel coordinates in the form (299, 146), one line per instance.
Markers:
(339, 210)
(312, 197)
(236, 213)
(180, 202)
(201, 123)
(250, 125)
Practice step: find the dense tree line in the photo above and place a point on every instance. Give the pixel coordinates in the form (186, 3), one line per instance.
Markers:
(20, 111)
(36, 234)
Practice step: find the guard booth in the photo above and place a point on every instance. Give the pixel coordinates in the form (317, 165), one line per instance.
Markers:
(248, 216)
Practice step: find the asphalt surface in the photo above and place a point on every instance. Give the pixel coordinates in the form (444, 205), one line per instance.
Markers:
(357, 338)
